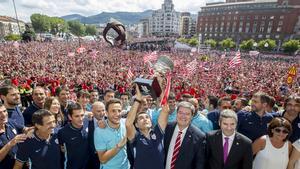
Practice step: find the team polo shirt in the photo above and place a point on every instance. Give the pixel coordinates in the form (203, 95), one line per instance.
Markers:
(8, 135)
(148, 153)
(106, 139)
(76, 145)
(202, 123)
(28, 112)
(214, 116)
(295, 127)
(41, 154)
(252, 125)
(16, 117)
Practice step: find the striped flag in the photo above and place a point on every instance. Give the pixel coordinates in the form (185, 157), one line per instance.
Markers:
(191, 67)
(164, 100)
(236, 60)
(130, 74)
(150, 57)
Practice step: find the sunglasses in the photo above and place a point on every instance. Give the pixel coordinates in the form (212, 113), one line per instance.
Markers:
(284, 131)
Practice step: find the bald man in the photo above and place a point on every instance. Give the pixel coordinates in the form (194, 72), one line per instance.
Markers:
(98, 110)
(199, 120)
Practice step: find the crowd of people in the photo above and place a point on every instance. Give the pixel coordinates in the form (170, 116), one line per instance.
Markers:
(78, 109)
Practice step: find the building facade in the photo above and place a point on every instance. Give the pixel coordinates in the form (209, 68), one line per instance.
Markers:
(9, 25)
(143, 28)
(165, 21)
(187, 25)
(256, 19)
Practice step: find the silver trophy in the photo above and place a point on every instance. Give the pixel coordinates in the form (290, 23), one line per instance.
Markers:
(151, 85)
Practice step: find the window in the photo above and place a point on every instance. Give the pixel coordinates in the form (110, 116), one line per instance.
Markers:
(281, 17)
(241, 17)
(263, 17)
(269, 30)
(278, 29)
(280, 23)
(271, 17)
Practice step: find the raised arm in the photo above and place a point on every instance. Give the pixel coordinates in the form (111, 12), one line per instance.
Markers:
(132, 115)
(163, 117)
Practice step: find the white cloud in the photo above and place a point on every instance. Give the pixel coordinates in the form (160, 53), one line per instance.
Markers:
(92, 7)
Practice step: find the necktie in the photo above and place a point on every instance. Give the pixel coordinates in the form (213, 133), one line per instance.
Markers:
(176, 149)
(225, 149)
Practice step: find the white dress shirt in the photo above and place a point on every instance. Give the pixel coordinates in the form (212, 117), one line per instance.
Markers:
(230, 140)
(172, 144)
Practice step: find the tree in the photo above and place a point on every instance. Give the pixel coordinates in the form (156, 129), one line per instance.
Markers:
(57, 25)
(40, 23)
(247, 44)
(210, 42)
(291, 46)
(267, 44)
(227, 43)
(28, 35)
(183, 40)
(193, 42)
(76, 28)
(90, 30)
(12, 37)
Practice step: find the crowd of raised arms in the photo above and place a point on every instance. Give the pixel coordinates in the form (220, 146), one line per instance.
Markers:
(80, 110)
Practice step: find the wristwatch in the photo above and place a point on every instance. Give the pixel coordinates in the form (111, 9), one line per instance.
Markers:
(137, 100)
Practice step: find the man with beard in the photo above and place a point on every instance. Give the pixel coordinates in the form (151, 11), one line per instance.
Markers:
(11, 98)
(254, 124)
(147, 143)
(38, 97)
(8, 140)
(63, 94)
(73, 138)
(43, 148)
(110, 142)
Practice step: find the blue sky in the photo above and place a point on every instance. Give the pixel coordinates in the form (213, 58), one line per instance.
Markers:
(90, 7)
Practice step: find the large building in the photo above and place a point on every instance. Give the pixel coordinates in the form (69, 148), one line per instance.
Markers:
(187, 25)
(165, 21)
(245, 19)
(9, 25)
(143, 28)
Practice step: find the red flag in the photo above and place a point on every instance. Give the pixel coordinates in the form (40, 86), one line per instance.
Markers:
(150, 57)
(164, 100)
(236, 60)
(129, 73)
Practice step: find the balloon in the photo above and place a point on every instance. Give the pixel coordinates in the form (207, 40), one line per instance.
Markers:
(120, 29)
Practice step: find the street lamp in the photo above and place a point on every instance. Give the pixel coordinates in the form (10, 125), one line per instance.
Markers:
(17, 17)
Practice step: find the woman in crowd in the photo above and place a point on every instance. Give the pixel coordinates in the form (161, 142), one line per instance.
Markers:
(272, 150)
(294, 162)
(52, 104)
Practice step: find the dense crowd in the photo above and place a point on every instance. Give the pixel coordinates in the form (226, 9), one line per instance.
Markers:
(64, 107)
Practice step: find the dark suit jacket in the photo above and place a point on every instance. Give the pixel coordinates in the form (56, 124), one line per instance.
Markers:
(239, 157)
(94, 162)
(192, 150)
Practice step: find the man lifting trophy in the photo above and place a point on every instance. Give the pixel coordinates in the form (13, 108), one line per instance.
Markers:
(152, 85)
